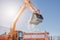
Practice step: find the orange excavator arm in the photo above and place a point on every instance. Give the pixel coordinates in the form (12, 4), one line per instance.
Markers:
(20, 12)
(27, 3)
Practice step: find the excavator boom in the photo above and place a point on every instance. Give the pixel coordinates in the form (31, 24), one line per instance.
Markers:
(28, 4)
(20, 12)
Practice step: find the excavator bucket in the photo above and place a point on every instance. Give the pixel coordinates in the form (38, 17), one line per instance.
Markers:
(36, 19)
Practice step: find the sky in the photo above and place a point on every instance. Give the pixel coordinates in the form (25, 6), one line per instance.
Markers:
(50, 10)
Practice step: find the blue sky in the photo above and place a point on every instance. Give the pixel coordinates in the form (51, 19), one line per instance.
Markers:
(50, 10)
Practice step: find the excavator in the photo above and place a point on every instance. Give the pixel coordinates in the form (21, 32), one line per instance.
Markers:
(35, 20)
